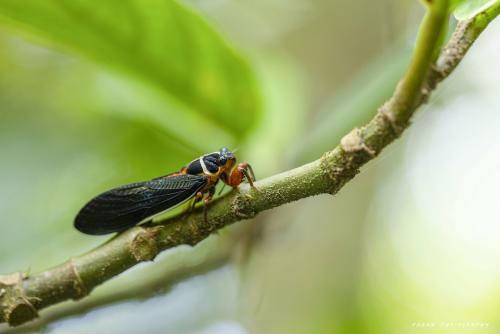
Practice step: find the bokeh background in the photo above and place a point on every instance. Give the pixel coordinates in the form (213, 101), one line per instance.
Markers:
(94, 95)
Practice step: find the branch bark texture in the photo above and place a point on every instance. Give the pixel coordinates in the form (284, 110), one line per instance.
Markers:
(21, 296)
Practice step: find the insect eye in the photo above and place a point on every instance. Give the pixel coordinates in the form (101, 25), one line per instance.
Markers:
(223, 160)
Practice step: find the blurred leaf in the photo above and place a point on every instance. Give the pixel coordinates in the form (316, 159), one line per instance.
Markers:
(467, 9)
(284, 101)
(454, 3)
(164, 43)
(354, 105)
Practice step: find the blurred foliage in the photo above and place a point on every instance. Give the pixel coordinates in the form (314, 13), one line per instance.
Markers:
(354, 103)
(164, 43)
(467, 9)
(98, 94)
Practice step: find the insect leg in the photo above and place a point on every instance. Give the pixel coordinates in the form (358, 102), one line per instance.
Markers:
(196, 199)
(206, 201)
(192, 203)
(243, 170)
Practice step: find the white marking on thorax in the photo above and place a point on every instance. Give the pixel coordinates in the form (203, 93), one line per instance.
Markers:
(204, 167)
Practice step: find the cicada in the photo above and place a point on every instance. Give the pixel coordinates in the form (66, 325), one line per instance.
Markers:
(123, 207)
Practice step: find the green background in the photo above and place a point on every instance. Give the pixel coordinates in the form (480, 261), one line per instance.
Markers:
(97, 94)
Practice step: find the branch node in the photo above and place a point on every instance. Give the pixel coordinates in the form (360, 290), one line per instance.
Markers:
(337, 175)
(79, 286)
(354, 142)
(15, 308)
(388, 116)
(242, 207)
(143, 246)
(20, 311)
(7, 281)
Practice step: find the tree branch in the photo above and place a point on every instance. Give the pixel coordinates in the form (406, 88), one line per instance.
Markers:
(21, 296)
(160, 278)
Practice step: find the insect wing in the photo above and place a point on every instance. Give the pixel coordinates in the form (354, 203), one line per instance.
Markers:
(123, 207)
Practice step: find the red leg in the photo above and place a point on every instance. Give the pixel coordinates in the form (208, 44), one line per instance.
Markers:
(243, 170)
(247, 170)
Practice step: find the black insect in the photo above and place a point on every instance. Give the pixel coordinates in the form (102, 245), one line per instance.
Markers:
(121, 208)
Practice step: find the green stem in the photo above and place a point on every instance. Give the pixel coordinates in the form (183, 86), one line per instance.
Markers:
(431, 28)
(400, 107)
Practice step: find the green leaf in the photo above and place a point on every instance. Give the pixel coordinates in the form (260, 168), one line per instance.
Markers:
(161, 42)
(467, 9)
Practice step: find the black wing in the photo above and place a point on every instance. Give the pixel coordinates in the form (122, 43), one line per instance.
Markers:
(123, 207)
